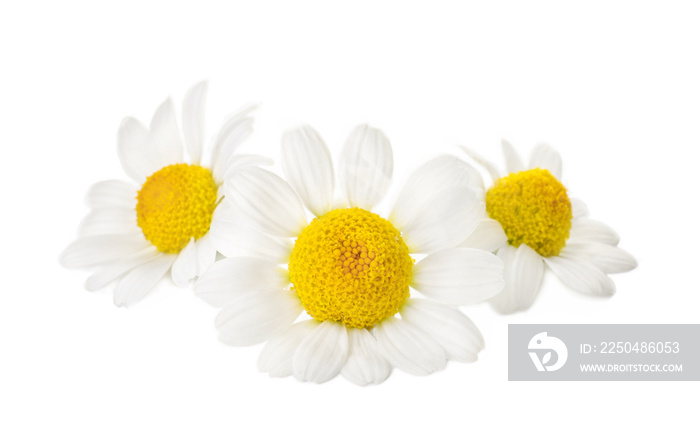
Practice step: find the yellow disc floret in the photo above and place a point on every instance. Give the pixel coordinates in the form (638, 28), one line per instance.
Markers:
(533, 208)
(351, 266)
(175, 205)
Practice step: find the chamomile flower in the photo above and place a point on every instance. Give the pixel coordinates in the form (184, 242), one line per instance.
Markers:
(531, 222)
(137, 231)
(351, 270)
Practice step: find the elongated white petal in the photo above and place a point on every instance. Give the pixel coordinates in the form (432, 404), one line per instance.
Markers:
(526, 275)
(255, 318)
(267, 200)
(581, 275)
(206, 253)
(136, 150)
(459, 276)
(578, 208)
(366, 166)
(193, 120)
(112, 194)
(114, 270)
(241, 161)
(308, 167)
(232, 278)
(513, 161)
(277, 356)
(109, 221)
(409, 348)
(426, 182)
(322, 354)
(453, 331)
(365, 364)
(488, 235)
(444, 222)
(492, 169)
(523, 272)
(608, 258)
(166, 135)
(235, 130)
(232, 238)
(185, 266)
(95, 250)
(139, 281)
(546, 157)
(588, 230)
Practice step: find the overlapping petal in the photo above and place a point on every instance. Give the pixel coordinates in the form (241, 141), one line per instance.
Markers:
(451, 329)
(254, 318)
(523, 273)
(270, 204)
(322, 354)
(308, 167)
(366, 166)
(459, 276)
(409, 348)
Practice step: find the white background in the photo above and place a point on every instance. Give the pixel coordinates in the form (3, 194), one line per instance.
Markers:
(614, 86)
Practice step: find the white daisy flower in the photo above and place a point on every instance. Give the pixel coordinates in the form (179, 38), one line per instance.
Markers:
(351, 269)
(138, 230)
(531, 222)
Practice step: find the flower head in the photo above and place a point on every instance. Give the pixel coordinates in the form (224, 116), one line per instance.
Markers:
(137, 231)
(352, 271)
(531, 222)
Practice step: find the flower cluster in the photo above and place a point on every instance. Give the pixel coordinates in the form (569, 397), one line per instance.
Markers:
(328, 283)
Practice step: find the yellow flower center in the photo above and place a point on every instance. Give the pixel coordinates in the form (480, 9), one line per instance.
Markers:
(533, 208)
(351, 266)
(175, 205)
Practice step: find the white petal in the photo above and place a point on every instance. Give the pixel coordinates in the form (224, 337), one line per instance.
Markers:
(166, 135)
(365, 364)
(581, 275)
(206, 253)
(241, 161)
(234, 131)
(409, 348)
(608, 258)
(454, 331)
(307, 165)
(513, 161)
(95, 250)
(588, 230)
(322, 354)
(523, 272)
(185, 266)
(193, 120)
(459, 276)
(257, 317)
(269, 202)
(578, 208)
(366, 166)
(109, 221)
(430, 179)
(488, 235)
(116, 269)
(111, 193)
(444, 222)
(142, 279)
(136, 150)
(231, 238)
(546, 157)
(232, 278)
(277, 356)
(490, 167)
